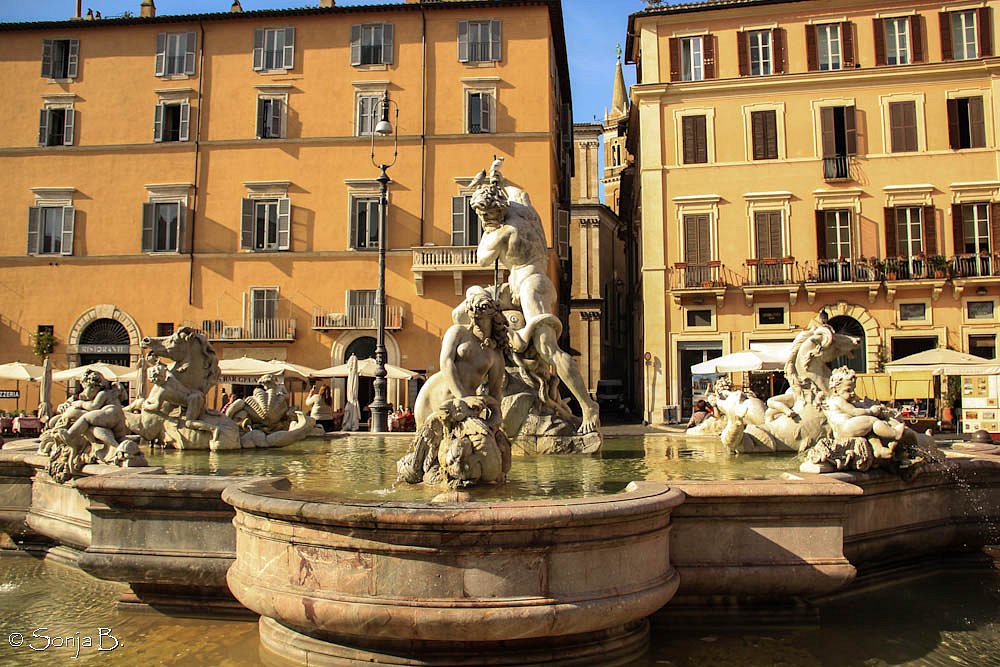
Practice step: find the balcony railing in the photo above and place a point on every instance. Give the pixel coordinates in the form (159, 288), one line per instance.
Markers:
(252, 330)
(975, 266)
(836, 168)
(356, 317)
(907, 268)
(845, 270)
(444, 258)
(699, 276)
(772, 271)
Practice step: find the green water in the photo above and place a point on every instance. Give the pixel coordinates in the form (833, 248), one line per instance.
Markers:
(364, 467)
(948, 619)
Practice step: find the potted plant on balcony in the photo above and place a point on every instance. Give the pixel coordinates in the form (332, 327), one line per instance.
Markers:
(873, 267)
(892, 268)
(939, 265)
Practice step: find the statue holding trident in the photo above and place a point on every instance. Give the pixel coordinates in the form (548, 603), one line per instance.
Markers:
(513, 234)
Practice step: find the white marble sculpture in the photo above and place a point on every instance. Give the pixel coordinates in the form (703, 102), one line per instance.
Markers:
(89, 429)
(267, 419)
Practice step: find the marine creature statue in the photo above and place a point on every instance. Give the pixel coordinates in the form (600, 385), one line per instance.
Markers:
(460, 439)
(533, 408)
(266, 417)
(863, 437)
(89, 429)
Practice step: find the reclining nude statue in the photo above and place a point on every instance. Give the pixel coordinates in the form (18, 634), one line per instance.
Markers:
(459, 439)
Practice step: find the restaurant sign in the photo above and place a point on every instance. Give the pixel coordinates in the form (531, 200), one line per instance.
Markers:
(10, 393)
(88, 348)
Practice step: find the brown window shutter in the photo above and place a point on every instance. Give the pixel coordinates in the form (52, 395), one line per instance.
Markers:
(891, 247)
(930, 231)
(812, 55)
(916, 39)
(757, 134)
(828, 130)
(995, 226)
(687, 129)
(958, 228)
(743, 49)
(778, 49)
(946, 50)
(977, 122)
(953, 127)
(696, 250)
(695, 139)
(851, 129)
(878, 27)
(897, 139)
(708, 49)
(821, 235)
(847, 45)
(701, 139)
(675, 59)
(984, 27)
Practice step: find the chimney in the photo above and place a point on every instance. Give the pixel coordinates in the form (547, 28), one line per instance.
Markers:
(147, 9)
(327, 3)
(79, 10)
(236, 7)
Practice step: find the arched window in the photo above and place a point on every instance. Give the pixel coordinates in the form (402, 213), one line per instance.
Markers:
(362, 348)
(849, 326)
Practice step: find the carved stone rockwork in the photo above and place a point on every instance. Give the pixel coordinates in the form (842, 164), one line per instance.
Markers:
(89, 429)
(266, 417)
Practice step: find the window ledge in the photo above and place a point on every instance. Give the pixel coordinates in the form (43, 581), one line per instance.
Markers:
(174, 77)
(481, 63)
(59, 80)
(372, 67)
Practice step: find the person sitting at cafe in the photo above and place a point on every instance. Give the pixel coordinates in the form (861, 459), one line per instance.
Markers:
(701, 412)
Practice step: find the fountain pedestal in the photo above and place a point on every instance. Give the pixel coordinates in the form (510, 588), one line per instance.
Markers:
(521, 583)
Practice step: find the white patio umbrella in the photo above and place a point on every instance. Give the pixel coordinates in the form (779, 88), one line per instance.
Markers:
(765, 359)
(18, 371)
(366, 368)
(294, 370)
(110, 372)
(352, 411)
(942, 361)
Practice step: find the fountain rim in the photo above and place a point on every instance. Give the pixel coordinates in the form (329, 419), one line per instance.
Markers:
(277, 498)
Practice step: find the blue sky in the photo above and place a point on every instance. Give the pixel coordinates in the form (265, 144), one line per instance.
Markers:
(593, 28)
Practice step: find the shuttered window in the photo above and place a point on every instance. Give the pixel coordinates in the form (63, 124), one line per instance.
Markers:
(263, 304)
(966, 123)
(175, 53)
(273, 48)
(697, 249)
(695, 139)
(909, 231)
(893, 43)
(973, 234)
(270, 118)
(366, 107)
(903, 126)
(465, 227)
(761, 54)
(371, 44)
(50, 230)
(828, 44)
(767, 226)
(839, 128)
(692, 58)
(60, 58)
(479, 41)
(55, 126)
(964, 42)
(764, 133)
(172, 122)
(834, 233)
(266, 224)
(479, 106)
(162, 226)
(364, 223)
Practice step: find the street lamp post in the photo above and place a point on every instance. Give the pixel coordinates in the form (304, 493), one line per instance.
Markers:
(380, 406)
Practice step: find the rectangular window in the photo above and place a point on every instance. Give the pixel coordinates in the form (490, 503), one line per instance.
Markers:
(966, 123)
(909, 231)
(769, 247)
(480, 109)
(465, 227)
(828, 46)
(912, 312)
(371, 44)
(60, 58)
(175, 53)
(266, 224)
(983, 345)
(770, 316)
(692, 59)
(839, 138)
(903, 126)
(478, 41)
(695, 136)
(697, 250)
(837, 234)
(265, 230)
(263, 304)
(50, 230)
(761, 58)
(975, 228)
(164, 329)
(700, 318)
(964, 36)
(161, 226)
(366, 107)
(897, 41)
(55, 126)
(171, 122)
(273, 49)
(364, 223)
(764, 133)
(979, 310)
(270, 118)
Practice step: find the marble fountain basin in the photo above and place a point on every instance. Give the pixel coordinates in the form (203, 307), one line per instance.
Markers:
(525, 582)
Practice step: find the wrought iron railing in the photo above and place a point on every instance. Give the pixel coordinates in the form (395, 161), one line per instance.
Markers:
(268, 329)
(357, 317)
(836, 168)
(772, 271)
(974, 266)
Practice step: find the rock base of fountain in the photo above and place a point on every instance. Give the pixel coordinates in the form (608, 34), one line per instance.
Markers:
(609, 648)
(574, 443)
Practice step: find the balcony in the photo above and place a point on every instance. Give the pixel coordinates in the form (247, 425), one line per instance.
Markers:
(837, 168)
(457, 260)
(255, 331)
(700, 280)
(772, 275)
(978, 270)
(842, 274)
(356, 317)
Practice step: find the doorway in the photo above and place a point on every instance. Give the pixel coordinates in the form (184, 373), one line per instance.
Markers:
(363, 348)
(689, 354)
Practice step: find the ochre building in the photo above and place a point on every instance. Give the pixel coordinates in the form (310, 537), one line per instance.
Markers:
(215, 171)
(794, 156)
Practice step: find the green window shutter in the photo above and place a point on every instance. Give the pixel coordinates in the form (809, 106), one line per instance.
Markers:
(262, 109)
(284, 223)
(34, 222)
(46, 58)
(68, 226)
(355, 44)
(288, 57)
(43, 127)
(185, 121)
(387, 43)
(148, 218)
(69, 120)
(182, 215)
(246, 225)
(458, 221)
(495, 41)
(258, 49)
(161, 53)
(73, 59)
(274, 122)
(463, 41)
(158, 123)
(190, 51)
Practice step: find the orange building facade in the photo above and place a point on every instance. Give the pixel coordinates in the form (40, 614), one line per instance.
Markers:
(215, 170)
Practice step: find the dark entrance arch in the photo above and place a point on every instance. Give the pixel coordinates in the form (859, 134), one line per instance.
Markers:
(363, 348)
(844, 324)
(105, 340)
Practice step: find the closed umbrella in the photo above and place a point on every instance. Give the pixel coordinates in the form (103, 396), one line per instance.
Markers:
(45, 392)
(140, 386)
(352, 412)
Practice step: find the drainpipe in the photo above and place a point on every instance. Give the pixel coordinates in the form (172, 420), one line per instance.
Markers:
(197, 164)
(423, 119)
